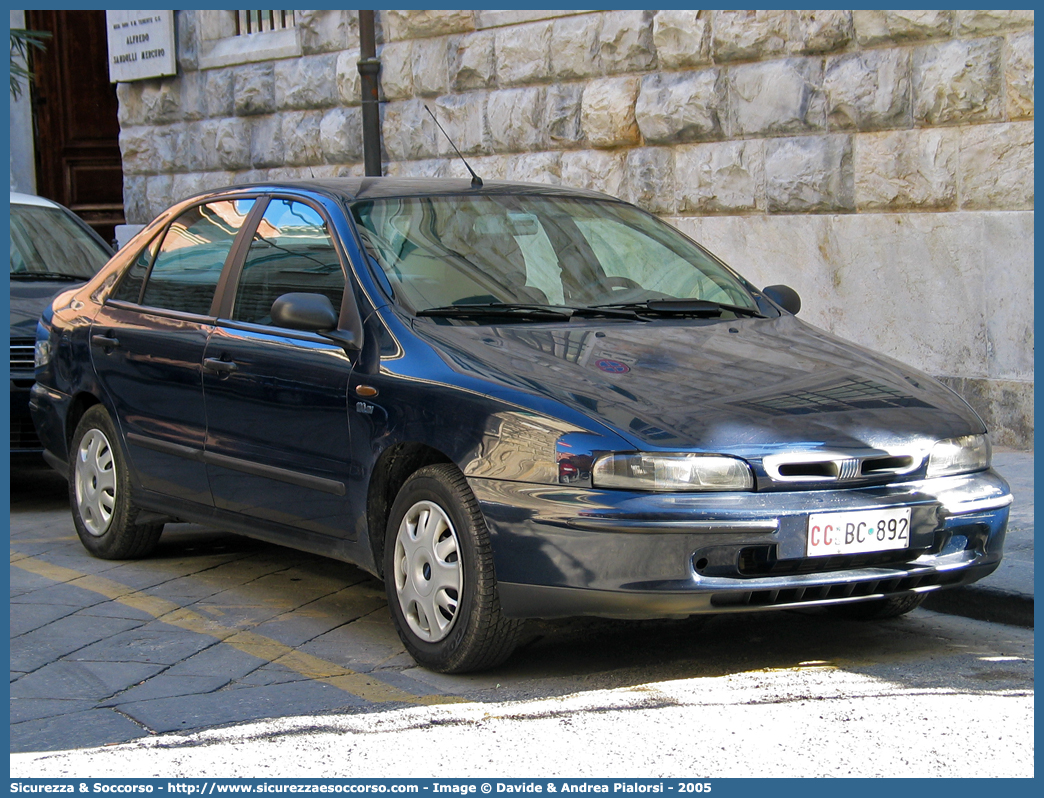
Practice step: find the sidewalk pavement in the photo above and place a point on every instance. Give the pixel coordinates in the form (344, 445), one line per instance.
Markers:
(1006, 595)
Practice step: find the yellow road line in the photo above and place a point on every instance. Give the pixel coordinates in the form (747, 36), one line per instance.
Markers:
(59, 539)
(361, 685)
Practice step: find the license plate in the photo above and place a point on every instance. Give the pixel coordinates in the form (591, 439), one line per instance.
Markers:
(857, 532)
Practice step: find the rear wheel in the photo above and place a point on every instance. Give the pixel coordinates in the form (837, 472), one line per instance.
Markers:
(879, 609)
(438, 572)
(99, 493)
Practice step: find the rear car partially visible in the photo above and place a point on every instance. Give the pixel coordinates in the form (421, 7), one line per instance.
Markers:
(51, 251)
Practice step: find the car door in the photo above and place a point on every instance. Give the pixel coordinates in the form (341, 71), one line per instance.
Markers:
(277, 445)
(147, 345)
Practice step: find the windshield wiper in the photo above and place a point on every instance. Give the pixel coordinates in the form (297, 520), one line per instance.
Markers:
(525, 310)
(518, 310)
(604, 310)
(65, 278)
(682, 307)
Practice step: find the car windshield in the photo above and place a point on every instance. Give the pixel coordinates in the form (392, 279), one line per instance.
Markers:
(449, 251)
(46, 242)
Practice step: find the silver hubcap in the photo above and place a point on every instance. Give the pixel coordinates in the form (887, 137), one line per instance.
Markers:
(95, 482)
(427, 571)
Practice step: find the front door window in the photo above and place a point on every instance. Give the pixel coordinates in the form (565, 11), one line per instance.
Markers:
(291, 252)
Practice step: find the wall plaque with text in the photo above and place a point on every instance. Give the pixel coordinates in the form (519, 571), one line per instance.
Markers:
(141, 45)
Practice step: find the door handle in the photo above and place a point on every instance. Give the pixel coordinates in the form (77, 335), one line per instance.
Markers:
(219, 366)
(105, 341)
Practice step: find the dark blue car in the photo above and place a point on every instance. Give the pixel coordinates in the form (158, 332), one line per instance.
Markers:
(508, 401)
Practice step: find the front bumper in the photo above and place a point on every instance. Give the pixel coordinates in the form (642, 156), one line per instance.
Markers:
(24, 440)
(49, 409)
(23, 433)
(561, 551)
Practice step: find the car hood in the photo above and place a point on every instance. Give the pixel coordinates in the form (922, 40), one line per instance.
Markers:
(747, 386)
(29, 298)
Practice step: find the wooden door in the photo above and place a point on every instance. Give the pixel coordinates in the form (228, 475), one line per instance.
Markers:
(75, 115)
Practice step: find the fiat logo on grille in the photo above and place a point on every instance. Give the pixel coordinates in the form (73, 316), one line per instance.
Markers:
(848, 469)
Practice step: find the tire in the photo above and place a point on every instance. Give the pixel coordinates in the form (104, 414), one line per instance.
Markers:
(99, 493)
(879, 609)
(438, 572)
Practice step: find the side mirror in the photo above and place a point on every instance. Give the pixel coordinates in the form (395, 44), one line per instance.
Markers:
(784, 296)
(309, 312)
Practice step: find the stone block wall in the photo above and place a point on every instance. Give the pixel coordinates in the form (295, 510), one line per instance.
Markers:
(881, 162)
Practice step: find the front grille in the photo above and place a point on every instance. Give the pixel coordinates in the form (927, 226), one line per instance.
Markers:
(22, 357)
(868, 587)
(23, 435)
(812, 467)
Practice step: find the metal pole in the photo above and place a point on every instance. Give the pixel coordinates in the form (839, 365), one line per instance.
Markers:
(369, 67)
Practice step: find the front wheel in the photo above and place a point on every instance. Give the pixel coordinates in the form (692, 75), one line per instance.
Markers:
(99, 493)
(879, 609)
(438, 572)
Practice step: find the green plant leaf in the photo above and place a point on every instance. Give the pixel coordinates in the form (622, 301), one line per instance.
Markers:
(22, 42)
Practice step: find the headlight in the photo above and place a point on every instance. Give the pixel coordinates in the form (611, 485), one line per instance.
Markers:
(42, 353)
(671, 472)
(959, 455)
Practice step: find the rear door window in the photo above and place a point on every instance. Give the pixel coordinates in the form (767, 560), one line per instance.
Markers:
(188, 265)
(129, 289)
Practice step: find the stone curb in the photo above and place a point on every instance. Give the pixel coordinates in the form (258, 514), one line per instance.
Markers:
(984, 604)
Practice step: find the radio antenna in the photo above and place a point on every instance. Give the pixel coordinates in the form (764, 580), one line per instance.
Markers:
(476, 181)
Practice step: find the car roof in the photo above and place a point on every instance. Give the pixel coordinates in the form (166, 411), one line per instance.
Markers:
(32, 199)
(352, 189)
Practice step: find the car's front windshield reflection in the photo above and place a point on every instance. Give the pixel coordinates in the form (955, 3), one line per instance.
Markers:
(471, 250)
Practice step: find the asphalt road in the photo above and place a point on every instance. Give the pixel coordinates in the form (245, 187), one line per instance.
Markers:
(222, 656)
